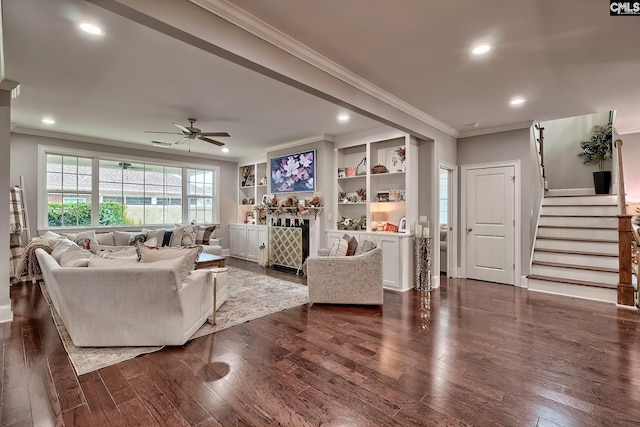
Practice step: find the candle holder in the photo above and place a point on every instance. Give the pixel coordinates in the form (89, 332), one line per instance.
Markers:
(422, 251)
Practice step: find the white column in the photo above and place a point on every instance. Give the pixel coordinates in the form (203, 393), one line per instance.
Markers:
(5, 182)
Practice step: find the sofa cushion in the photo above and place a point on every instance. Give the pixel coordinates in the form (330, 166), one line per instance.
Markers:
(75, 256)
(190, 255)
(122, 238)
(60, 248)
(121, 253)
(188, 235)
(103, 262)
(365, 246)
(176, 237)
(106, 239)
(71, 236)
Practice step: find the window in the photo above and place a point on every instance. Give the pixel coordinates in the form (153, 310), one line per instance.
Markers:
(200, 190)
(68, 184)
(125, 192)
(140, 186)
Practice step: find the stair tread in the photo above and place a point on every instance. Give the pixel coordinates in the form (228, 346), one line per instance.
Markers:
(561, 251)
(578, 195)
(578, 227)
(607, 205)
(576, 267)
(572, 281)
(577, 239)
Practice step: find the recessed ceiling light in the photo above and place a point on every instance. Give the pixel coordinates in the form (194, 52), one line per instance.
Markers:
(516, 101)
(225, 150)
(90, 28)
(343, 117)
(481, 49)
(48, 121)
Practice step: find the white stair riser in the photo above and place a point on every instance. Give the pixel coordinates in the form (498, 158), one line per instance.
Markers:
(578, 233)
(579, 222)
(586, 200)
(576, 291)
(573, 259)
(575, 274)
(579, 210)
(567, 245)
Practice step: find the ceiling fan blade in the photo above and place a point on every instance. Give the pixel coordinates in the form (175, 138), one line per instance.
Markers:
(184, 130)
(192, 129)
(152, 131)
(212, 141)
(164, 144)
(215, 134)
(181, 140)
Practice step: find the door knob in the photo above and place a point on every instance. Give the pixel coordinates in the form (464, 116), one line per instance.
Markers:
(469, 229)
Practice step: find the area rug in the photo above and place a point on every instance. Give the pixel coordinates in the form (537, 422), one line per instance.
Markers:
(251, 296)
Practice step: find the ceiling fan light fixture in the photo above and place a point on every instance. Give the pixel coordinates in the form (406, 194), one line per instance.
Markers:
(91, 28)
(481, 49)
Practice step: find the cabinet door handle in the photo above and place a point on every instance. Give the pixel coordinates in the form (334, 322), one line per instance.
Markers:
(469, 229)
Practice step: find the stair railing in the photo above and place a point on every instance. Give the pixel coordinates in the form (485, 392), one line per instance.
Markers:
(625, 236)
(540, 140)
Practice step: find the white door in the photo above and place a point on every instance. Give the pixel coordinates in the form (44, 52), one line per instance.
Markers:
(490, 224)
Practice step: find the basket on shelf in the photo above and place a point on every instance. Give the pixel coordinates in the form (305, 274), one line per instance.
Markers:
(379, 169)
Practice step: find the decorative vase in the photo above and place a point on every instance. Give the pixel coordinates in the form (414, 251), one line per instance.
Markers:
(602, 182)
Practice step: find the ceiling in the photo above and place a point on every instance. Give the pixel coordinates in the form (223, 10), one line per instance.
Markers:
(566, 58)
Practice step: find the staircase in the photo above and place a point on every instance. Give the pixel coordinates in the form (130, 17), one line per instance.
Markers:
(576, 248)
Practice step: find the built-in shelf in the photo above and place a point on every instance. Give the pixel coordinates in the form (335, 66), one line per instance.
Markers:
(374, 175)
(352, 203)
(352, 177)
(294, 210)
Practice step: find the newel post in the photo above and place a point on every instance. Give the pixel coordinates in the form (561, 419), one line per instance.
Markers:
(625, 287)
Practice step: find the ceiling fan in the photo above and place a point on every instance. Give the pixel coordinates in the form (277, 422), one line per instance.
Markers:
(190, 132)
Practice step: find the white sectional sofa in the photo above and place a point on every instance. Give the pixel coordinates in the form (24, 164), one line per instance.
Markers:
(131, 305)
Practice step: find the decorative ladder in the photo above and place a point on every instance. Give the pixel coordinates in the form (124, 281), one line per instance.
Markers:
(576, 248)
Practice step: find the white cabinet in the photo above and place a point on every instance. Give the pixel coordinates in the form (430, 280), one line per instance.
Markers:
(397, 255)
(246, 240)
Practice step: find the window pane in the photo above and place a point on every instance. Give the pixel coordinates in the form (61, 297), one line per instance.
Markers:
(69, 181)
(68, 185)
(54, 163)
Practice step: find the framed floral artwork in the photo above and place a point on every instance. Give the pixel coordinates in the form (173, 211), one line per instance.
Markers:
(293, 172)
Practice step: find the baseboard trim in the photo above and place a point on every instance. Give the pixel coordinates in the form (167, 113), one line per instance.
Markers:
(524, 282)
(6, 315)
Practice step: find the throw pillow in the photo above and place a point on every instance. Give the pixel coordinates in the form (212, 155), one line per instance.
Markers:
(151, 243)
(60, 248)
(137, 237)
(122, 238)
(157, 234)
(352, 244)
(176, 237)
(188, 235)
(204, 234)
(339, 248)
(75, 256)
(71, 236)
(365, 246)
(86, 242)
(166, 239)
(152, 255)
(106, 239)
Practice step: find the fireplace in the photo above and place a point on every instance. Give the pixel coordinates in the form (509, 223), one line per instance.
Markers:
(288, 242)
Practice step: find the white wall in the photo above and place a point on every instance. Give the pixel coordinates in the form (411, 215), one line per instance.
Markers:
(631, 167)
(562, 137)
(24, 160)
(507, 146)
(5, 170)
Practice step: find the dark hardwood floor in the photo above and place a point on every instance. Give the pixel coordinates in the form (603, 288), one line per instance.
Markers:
(469, 353)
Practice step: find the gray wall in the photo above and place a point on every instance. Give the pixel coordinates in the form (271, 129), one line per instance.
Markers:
(507, 146)
(24, 161)
(562, 137)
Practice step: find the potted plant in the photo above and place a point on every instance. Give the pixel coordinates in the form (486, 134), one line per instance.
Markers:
(596, 151)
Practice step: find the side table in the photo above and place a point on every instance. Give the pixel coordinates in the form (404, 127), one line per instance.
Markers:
(219, 277)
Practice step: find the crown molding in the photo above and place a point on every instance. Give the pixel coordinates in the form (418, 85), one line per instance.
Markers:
(628, 130)
(131, 146)
(266, 32)
(496, 129)
(380, 133)
(303, 141)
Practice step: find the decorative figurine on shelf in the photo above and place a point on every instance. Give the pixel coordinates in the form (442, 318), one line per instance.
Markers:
(363, 194)
(362, 170)
(315, 202)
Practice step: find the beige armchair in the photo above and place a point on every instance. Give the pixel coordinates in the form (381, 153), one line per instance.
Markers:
(345, 279)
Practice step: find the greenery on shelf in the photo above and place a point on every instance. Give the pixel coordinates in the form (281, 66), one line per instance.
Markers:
(598, 148)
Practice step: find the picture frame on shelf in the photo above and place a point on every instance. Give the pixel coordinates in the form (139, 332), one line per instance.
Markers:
(395, 159)
(402, 225)
(266, 199)
(263, 181)
(249, 218)
(341, 173)
(382, 196)
(250, 181)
